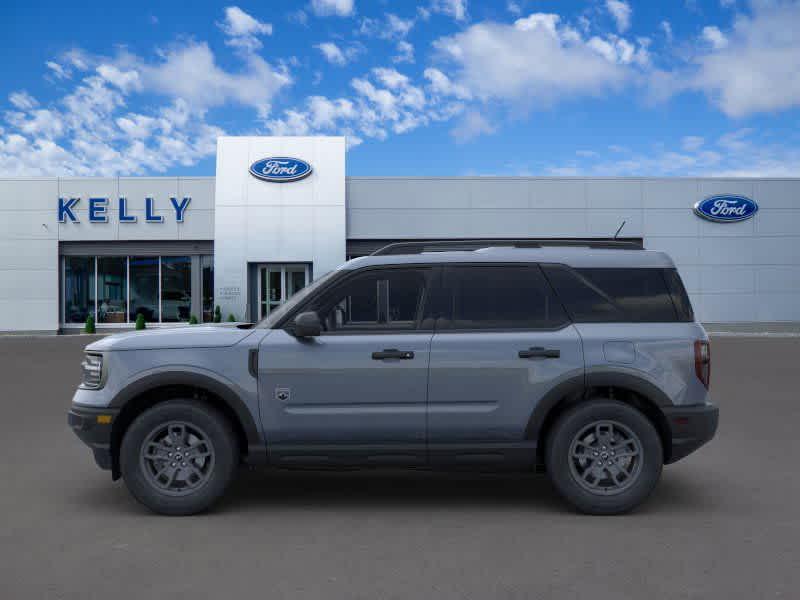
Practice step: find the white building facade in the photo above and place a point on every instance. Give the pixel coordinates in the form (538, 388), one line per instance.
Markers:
(281, 212)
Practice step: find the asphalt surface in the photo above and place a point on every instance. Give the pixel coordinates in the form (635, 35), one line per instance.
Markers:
(723, 523)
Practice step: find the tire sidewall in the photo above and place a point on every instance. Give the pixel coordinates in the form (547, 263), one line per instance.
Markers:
(557, 456)
(221, 436)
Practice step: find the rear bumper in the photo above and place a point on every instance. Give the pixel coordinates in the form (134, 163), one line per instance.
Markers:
(691, 426)
(93, 432)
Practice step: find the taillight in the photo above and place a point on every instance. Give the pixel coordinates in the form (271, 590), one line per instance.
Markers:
(702, 361)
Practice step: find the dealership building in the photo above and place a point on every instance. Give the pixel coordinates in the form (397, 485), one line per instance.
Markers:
(281, 211)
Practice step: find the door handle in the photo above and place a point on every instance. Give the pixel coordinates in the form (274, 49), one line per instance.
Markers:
(539, 352)
(393, 353)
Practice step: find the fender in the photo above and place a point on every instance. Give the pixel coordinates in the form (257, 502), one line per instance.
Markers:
(574, 386)
(577, 386)
(255, 444)
(634, 381)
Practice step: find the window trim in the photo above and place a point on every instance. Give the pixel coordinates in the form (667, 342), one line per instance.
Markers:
(430, 269)
(441, 323)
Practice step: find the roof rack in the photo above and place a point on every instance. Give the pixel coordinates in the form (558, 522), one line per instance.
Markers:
(418, 247)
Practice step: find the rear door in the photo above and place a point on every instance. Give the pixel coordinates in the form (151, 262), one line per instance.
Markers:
(502, 342)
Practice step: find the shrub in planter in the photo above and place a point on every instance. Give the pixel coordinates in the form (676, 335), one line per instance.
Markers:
(192, 320)
(217, 314)
(89, 327)
(140, 322)
(231, 318)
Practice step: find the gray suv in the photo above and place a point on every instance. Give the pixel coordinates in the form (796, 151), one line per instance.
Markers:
(586, 362)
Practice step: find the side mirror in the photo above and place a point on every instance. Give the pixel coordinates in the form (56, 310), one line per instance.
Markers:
(307, 324)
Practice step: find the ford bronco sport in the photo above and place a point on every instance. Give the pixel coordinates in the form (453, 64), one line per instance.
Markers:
(586, 362)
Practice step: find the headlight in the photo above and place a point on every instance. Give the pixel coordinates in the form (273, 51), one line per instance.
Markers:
(92, 371)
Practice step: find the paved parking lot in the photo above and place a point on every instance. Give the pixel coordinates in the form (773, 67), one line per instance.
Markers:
(722, 524)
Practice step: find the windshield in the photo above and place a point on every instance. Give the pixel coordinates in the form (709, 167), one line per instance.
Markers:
(278, 313)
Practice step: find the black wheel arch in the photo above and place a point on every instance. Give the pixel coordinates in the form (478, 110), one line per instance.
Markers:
(153, 389)
(626, 387)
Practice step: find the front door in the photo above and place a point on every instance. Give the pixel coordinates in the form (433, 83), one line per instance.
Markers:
(502, 343)
(358, 392)
(277, 283)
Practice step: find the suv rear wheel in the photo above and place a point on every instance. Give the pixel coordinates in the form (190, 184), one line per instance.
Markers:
(178, 457)
(604, 457)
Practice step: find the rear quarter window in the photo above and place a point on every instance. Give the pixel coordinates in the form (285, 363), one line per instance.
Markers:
(619, 295)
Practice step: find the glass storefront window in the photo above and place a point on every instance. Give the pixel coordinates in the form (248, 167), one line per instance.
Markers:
(116, 289)
(78, 288)
(144, 288)
(176, 289)
(112, 289)
(207, 268)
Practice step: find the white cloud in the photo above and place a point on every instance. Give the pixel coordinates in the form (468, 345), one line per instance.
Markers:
(127, 80)
(391, 27)
(397, 26)
(514, 8)
(758, 70)
(336, 55)
(453, 8)
(735, 154)
(405, 52)
(191, 72)
(666, 27)
(59, 71)
(715, 37)
(537, 60)
(91, 131)
(22, 100)
(243, 29)
(472, 124)
(298, 17)
(692, 143)
(621, 11)
(441, 84)
(619, 50)
(385, 101)
(339, 8)
(37, 123)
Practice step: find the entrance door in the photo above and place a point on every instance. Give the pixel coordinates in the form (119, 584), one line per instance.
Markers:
(357, 393)
(278, 283)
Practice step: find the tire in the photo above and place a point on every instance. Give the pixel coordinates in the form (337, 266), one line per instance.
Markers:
(596, 430)
(199, 478)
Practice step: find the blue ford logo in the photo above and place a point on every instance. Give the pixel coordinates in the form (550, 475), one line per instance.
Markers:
(726, 209)
(280, 169)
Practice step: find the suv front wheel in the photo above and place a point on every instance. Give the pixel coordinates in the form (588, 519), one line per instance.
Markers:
(178, 457)
(604, 457)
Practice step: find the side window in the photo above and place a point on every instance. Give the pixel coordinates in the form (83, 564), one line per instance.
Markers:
(679, 296)
(501, 297)
(387, 299)
(613, 295)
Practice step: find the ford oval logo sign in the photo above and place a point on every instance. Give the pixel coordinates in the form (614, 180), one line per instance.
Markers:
(280, 169)
(726, 209)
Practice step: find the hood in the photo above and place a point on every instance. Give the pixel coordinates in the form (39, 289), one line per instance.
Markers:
(194, 336)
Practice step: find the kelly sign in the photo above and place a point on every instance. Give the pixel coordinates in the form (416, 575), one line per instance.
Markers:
(98, 210)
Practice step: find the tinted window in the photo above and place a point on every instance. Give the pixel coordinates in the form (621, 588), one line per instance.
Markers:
(679, 297)
(378, 299)
(613, 295)
(500, 297)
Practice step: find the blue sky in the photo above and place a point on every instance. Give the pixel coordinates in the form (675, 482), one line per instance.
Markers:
(436, 87)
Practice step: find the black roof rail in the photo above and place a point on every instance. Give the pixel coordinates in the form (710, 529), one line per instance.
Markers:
(418, 247)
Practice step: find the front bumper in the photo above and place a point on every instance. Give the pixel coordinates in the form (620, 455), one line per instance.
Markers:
(93, 427)
(691, 426)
